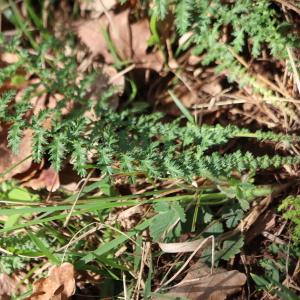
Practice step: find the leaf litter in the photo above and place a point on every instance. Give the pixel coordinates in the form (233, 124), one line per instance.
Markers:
(199, 283)
(10, 163)
(59, 285)
(7, 287)
(129, 39)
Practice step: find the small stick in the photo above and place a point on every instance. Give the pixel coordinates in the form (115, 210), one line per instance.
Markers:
(77, 197)
(295, 71)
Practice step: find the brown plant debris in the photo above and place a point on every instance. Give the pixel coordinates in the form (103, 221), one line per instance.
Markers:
(59, 285)
(199, 283)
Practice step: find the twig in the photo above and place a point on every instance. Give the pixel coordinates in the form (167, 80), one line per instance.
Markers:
(121, 73)
(258, 76)
(192, 255)
(145, 252)
(220, 103)
(289, 5)
(124, 286)
(14, 166)
(74, 239)
(77, 197)
(294, 67)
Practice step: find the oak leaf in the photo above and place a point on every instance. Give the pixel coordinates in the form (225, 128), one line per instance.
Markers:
(7, 287)
(59, 285)
(130, 40)
(12, 164)
(48, 179)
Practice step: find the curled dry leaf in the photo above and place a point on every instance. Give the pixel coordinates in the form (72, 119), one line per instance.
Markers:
(183, 247)
(200, 284)
(265, 222)
(129, 40)
(59, 285)
(48, 179)
(7, 287)
(8, 159)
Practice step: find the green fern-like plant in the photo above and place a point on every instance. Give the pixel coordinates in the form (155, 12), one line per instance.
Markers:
(117, 142)
(291, 208)
(252, 26)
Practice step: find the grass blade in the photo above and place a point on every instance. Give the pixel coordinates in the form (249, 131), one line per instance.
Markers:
(182, 108)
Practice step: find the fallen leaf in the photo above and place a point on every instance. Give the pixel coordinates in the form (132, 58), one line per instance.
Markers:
(7, 287)
(119, 30)
(9, 58)
(38, 103)
(96, 7)
(129, 212)
(212, 88)
(199, 283)
(59, 285)
(129, 39)
(265, 222)
(48, 179)
(90, 34)
(140, 29)
(8, 159)
(184, 246)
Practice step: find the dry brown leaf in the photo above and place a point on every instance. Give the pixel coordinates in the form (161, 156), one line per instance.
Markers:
(130, 40)
(212, 88)
(140, 29)
(9, 58)
(265, 222)
(119, 30)
(129, 212)
(96, 7)
(8, 159)
(38, 103)
(200, 284)
(59, 285)
(48, 179)
(7, 287)
(90, 34)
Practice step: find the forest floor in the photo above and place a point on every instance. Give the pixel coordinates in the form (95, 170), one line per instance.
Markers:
(59, 246)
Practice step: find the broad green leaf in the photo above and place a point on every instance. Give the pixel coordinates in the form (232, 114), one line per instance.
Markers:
(233, 217)
(215, 228)
(21, 194)
(230, 248)
(167, 215)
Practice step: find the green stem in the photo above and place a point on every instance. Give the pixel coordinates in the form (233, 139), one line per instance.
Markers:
(21, 23)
